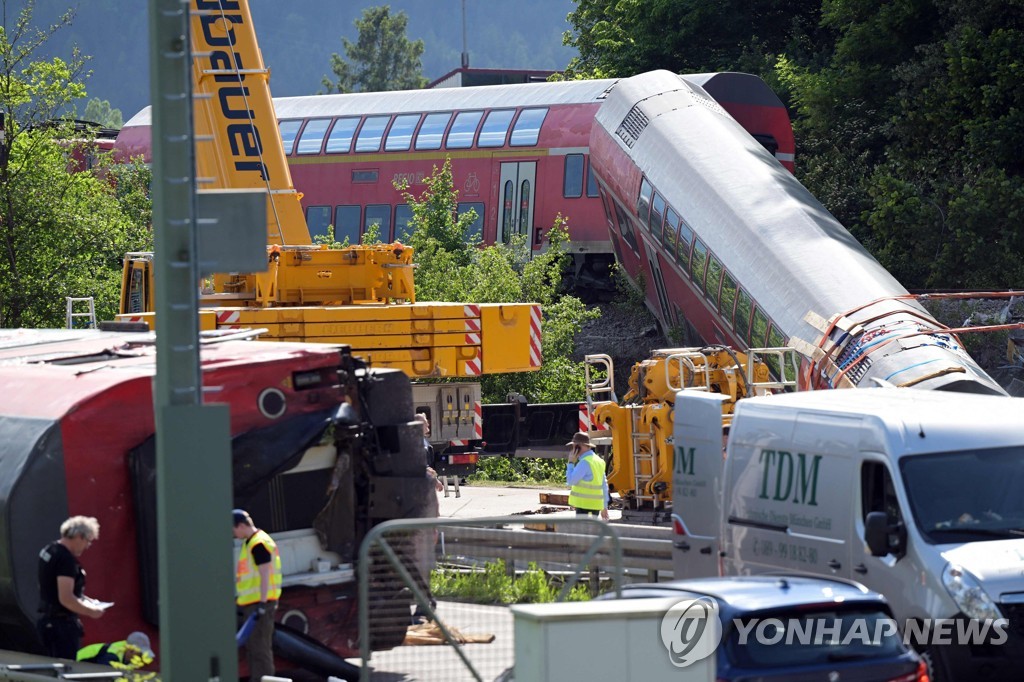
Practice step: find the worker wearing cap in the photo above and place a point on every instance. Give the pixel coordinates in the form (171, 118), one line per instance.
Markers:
(132, 650)
(258, 587)
(585, 474)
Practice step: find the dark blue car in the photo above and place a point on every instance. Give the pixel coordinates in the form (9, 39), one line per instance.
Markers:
(798, 629)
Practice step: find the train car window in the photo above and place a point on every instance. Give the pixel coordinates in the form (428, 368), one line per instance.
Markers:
(432, 130)
(683, 243)
(475, 228)
(728, 301)
(380, 215)
(403, 215)
(743, 308)
(524, 206)
(759, 329)
(364, 176)
(463, 130)
(318, 219)
(657, 213)
(346, 224)
(700, 259)
(526, 131)
(312, 137)
(671, 232)
(643, 204)
(400, 135)
(714, 280)
(289, 131)
(592, 190)
(495, 128)
(572, 184)
(340, 139)
(369, 137)
(506, 211)
(625, 227)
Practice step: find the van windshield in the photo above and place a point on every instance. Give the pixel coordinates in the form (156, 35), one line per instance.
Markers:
(967, 495)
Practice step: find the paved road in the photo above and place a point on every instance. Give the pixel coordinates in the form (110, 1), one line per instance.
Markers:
(478, 501)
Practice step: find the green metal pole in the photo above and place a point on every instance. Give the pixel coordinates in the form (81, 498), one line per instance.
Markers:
(192, 440)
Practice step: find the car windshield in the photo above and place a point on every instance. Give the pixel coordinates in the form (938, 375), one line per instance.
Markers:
(818, 636)
(967, 495)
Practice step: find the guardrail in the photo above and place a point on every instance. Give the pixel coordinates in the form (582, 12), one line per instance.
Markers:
(643, 547)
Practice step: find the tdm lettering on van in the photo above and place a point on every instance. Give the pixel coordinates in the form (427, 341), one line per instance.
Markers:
(786, 474)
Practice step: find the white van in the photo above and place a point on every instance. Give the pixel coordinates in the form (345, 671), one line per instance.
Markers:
(916, 494)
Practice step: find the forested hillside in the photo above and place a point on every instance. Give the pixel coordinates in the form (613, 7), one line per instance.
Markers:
(297, 38)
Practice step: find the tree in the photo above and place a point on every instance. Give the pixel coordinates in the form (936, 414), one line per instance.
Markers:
(621, 38)
(382, 58)
(99, 111)
(453, 267)
(61, 233)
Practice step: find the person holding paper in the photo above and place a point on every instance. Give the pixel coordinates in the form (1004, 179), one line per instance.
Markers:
(62, 588)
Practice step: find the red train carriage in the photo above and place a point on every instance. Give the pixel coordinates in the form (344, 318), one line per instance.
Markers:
(520, 156)
(77, 437)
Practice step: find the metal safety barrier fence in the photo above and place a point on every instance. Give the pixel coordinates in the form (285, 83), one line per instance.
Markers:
(434, 594)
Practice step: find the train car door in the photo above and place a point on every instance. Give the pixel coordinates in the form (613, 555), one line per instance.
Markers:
(659, 283)
(518, 195)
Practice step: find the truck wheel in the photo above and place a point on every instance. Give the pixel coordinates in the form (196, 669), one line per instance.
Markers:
(936, 668)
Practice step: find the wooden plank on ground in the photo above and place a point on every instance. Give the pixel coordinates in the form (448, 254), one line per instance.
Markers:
(559, 498)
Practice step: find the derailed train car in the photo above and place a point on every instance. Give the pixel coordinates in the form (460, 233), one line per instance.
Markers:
(322, 449)
(734, 250)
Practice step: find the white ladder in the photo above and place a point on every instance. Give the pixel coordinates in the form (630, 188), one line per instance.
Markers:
(71, 314)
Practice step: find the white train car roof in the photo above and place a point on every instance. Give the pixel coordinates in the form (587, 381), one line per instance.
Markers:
(441, 99)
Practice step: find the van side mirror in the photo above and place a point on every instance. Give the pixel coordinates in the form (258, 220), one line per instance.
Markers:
(876, 533)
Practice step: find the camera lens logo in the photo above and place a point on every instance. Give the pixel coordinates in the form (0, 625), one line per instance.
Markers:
(691, 631)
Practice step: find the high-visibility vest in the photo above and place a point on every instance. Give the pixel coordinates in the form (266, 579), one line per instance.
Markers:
(247, 574)
(589, 494)
(91, 651)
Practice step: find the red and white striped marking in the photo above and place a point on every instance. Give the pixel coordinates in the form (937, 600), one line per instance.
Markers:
(456, 443)
(134, 318)
(535, 347)
(474, 367)
(472, 324)
(478, 421)
(586, 423)
(229, 319)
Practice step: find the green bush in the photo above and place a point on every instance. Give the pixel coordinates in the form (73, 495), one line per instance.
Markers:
(494, 585)
(520, 470)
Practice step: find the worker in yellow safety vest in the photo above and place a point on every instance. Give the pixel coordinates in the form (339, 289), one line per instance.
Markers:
(585, 474)
(257, 587)
(133, 650)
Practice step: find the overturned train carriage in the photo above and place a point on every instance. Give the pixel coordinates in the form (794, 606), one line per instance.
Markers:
(322, 450)
(734, 250)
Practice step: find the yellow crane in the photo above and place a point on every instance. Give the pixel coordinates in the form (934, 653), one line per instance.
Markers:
(361, 295)
(639, 428)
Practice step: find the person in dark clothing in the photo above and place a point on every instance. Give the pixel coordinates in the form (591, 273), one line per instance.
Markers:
(62, 588)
